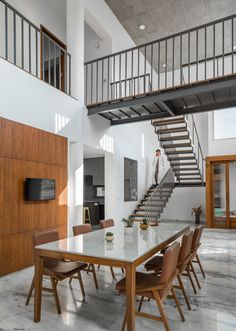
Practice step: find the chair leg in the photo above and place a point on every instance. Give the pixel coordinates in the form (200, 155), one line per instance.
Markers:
(177, 304)
(191, 280)
(112, 273)
(54, 288)
(140, 304)
(70, 280)
(184, 292)
(81, 284)
(99, 266)
(195, 275)
(124, 323)
(94, 276)
(161, 310)
(30, 292)
(200, 265)
(123, 271)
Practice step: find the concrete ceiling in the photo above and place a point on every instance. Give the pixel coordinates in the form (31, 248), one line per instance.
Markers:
(166, 17)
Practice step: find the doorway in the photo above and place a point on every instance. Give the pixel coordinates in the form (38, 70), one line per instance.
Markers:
(53, 60)
(94, 186)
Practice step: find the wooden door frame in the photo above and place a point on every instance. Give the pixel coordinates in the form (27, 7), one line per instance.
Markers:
(63, 60)
(210, 161)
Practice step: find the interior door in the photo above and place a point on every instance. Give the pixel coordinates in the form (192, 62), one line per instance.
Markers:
(220, 194)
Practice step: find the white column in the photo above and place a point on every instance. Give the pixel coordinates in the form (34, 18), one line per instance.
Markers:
(75, 46)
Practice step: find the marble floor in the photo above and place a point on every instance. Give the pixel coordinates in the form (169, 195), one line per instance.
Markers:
(214, 307)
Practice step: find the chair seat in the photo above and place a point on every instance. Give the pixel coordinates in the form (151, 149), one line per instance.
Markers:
(143, 282)
(155, 263)
(63, 269)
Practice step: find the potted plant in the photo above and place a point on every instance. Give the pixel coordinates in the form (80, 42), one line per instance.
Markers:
(144, 224)
(109, 237)
(198, 213)
(128, 222)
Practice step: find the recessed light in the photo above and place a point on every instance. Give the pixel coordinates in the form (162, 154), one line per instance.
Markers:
(164, 65)
(234, 47)
(142, 27)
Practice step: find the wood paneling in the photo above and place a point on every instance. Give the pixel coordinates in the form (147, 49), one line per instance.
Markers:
(28, 152)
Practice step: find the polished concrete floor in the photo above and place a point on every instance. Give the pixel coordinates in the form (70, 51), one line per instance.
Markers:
(214, 307)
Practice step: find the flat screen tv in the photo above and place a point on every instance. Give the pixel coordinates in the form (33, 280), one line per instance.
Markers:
(40, 189)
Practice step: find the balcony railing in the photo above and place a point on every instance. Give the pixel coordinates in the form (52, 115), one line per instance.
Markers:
(26, 46)
(199, 54)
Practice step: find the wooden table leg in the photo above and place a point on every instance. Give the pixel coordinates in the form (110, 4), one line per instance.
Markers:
(38, 279)
(130, 296)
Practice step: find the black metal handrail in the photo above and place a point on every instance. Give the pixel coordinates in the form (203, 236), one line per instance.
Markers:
(53, 65)
(151, 207)
(182, 58)
(197, 144)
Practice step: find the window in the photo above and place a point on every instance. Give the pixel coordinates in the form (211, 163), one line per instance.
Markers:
(225, 123)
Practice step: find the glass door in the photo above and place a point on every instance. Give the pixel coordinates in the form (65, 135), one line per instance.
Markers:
(220, 194)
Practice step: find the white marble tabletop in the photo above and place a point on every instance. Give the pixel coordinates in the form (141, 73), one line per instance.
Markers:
(128, 244)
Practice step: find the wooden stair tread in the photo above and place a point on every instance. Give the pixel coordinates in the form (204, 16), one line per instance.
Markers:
(168, 122)
(168, 146)
(172, 130)
(174, 138)
(180, 152)
(182, 158)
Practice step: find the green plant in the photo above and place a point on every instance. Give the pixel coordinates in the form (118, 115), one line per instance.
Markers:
(145, 221)
(129, 222)
(109, 234)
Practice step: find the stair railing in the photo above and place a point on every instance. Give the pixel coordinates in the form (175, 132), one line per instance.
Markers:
(31, 49)
(152, 206)
(196, 144)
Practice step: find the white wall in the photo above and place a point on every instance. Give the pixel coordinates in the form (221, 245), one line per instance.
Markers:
(182, 201)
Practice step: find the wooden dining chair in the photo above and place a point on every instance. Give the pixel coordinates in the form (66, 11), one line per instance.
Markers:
(56, 269)
(194, 257)
(157, 287)
(79, 230)
(155, 264)
(107, 224)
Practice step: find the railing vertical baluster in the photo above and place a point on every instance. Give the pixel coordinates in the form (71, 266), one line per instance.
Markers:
(120, 76)
(108, 78)
(214, 51)
(223, 48)
(43, 56)
(22, 43)
(96, 81)
(151, 68)
(29, 48)
(60, 70)
(54, 66)
(91, 96)
(159, 65)
(14, 36)
(69, 56)
(166, 64)
(102, 77)
(205, 53)
(36, 51)
(181, 54)
(114, 76)
(125, 73)
(132, 68)
(189, 56)
(138, 70)
(232, 41)
(173, 63)
(49, 62)
(86, 84)
(66, 73)
(6, 32)
(145, 68)
(197, 55)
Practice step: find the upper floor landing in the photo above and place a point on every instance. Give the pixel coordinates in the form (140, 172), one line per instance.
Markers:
(191, 71)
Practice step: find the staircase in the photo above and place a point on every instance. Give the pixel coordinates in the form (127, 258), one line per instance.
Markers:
(155, 199)
(179, 138)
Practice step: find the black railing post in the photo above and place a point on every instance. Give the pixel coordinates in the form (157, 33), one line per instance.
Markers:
(30, 48)
(6, 32)
(22, 43)
(14, 36)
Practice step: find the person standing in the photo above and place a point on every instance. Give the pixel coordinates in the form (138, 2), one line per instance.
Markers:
(157, 167)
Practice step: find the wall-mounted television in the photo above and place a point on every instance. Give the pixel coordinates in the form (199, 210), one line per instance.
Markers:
(38, 189)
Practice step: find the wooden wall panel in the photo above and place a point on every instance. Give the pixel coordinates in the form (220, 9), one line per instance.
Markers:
(28, 152)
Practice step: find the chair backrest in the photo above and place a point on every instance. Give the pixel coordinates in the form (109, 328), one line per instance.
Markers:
(169, 266)
(197, 237)
(81, 229)
(44, 237)
(107, 223)
(186, 247)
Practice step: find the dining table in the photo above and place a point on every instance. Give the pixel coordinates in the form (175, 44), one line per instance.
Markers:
(130, 248)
